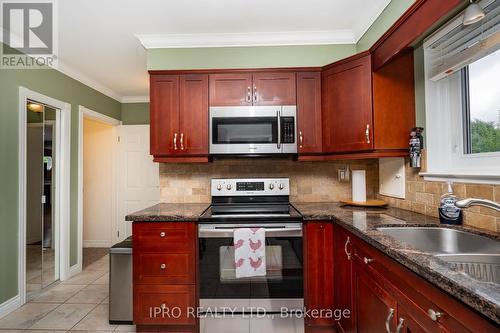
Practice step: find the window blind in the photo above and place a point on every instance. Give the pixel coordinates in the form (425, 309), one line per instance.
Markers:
(455, 46)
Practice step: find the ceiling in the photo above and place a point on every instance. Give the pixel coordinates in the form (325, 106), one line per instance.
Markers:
(99, 44)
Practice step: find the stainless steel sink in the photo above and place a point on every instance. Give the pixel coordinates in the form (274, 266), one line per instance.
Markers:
(475, 255)
(483, 267)
(443, 240)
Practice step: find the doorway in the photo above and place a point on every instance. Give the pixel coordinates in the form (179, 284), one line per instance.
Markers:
(42, 228)
(97, 182)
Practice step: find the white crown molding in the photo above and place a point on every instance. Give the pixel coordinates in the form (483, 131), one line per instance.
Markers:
(135, 99)
(154, 41)
(77, 75)
(368, 23)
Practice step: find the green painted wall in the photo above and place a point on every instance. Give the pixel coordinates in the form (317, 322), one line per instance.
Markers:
(59, 86)
(248, 57)
(135, 113)
(389, 15)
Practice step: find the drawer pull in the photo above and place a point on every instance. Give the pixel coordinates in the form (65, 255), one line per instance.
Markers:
(400, 325)
(434, 315)
(162, 234)
(388, 320)
(367, 260)
(163, 266)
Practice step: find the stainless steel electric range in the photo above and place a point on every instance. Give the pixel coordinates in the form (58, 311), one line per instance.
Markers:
(257, 202)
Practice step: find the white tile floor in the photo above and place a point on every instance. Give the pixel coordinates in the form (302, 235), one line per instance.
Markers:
(76, 305)
(80, 304)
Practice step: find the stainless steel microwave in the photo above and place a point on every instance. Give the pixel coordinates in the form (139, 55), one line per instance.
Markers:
(253, 130)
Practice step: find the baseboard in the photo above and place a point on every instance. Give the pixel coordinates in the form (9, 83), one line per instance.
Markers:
(97, 243)
(10, 305)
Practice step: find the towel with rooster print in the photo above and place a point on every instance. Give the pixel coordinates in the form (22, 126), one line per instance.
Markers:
(249, 252)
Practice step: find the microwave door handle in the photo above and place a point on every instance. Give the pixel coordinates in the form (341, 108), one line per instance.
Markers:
(278, 115)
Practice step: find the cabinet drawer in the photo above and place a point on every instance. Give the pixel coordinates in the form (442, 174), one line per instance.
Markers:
(164, 237)
(164, 268)
(164, 305)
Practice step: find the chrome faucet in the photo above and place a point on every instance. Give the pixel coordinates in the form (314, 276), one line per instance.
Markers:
(478, 202)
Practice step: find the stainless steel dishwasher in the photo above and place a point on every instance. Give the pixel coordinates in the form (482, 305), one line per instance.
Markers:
(120, 283)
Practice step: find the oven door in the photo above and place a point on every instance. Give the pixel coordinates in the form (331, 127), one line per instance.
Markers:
(245, 130)
(283, 285)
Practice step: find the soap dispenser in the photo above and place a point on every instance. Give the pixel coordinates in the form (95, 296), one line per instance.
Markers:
(449, 213)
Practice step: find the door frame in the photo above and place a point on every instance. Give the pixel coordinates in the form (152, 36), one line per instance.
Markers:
(84, 112)
(62, 218)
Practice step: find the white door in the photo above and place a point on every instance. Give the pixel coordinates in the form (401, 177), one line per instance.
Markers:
(138, 175)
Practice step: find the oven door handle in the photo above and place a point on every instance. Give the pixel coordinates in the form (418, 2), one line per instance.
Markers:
(229, 232)
(278, 115)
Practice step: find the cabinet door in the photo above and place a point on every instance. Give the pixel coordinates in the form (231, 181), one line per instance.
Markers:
(347, 106)
(318, 268)
(309, 112)
(230, 89)
(164, 112)
(375, 306)
(193, 115)
(274, 89)
(342, 269)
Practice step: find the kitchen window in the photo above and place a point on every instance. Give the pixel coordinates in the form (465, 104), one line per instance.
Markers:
(462, 99)
(481, 105)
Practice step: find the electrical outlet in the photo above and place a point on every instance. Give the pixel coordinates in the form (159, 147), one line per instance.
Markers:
(343, 174)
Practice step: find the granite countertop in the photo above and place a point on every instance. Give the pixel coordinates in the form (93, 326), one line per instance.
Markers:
(482, 296)
(171, 212)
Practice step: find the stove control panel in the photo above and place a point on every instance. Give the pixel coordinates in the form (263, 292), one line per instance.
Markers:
(250, 186)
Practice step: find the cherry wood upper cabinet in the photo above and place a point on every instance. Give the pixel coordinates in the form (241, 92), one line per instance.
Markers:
(318, 271)
(347, 105)
(164, 110)
(193, 115)
(179, 115)
(394, 102)
(231, 89)
(274, 89)
(309, 112)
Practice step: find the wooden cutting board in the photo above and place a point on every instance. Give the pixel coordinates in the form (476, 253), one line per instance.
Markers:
(367, 203)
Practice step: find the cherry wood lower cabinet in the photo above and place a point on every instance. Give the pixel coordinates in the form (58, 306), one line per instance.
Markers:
(381, 294)
(318, 273)
(384, 296)
(165, 276)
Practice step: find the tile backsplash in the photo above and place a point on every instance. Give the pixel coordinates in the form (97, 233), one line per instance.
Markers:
(318, 182)
(424, 196)
(309, 181)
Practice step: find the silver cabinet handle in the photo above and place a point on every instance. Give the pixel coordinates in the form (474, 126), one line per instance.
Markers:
(182, 141)
(400, 325)
(162, 234)
(388, 320)
(249, 94)
(255, 97)
(175, 141)
(434, 315)
(301, 140)
(367, 260)
(347, 242)
(163, 266)
(367, 133)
